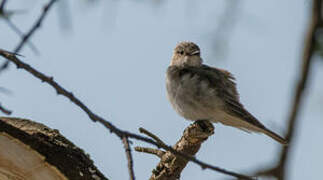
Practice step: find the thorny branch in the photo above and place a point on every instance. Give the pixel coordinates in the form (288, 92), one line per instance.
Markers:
(6, 14)
(33, 29)
(315, 23)
(36, 26)
(96, 118)
(24, 38)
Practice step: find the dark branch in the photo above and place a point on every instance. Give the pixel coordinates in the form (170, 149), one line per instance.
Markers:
(171, 164)
(314, 24)
(305, 71)
(129, 157)
(225, 26)
(33, 29)
(144, 131)
(189, 157)
(96, 118)
(2, 5)
(36, 25)
(4, 110)
(5, 90)
(21, 34)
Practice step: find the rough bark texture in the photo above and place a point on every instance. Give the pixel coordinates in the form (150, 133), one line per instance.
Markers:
(171, 166)
(55, 151)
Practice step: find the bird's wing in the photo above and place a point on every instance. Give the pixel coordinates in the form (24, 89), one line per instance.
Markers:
(225, 86)
(226, 80)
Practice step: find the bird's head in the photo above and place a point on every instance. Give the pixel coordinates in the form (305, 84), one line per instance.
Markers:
(186, 54)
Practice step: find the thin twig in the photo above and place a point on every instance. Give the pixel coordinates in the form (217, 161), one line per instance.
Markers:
(302, 82)
(315, 23)
(2, 5)
(129, 157)
(33, 29)
(36, 25)
(157, 139)
(156, 152)
(4, 110)
(225, 26)
(96, 118)
(21, 34)
(6, 14)
(5, 90)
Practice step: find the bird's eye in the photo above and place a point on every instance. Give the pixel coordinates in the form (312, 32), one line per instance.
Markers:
(181, 52)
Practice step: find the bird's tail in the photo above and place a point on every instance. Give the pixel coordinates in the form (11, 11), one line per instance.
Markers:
(275, 136)
(250, 124)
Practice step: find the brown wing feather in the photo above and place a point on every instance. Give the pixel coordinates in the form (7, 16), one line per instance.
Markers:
(228, 81)
(227, 89)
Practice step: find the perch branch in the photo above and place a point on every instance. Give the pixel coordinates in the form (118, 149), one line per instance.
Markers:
(172, 164)
(96, 118)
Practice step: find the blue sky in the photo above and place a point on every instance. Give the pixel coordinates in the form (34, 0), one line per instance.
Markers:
(114, 58)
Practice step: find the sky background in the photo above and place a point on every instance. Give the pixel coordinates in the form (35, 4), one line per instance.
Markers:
(113, 55)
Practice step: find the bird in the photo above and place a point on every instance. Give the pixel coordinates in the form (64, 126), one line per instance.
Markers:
(200, 92)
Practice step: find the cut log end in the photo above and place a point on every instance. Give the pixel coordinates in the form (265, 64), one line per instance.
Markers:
(30, 150)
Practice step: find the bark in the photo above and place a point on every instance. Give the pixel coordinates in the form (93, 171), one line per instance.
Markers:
(32, 151)
(170, 165)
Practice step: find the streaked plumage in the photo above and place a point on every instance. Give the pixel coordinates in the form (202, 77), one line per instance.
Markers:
(200, 92)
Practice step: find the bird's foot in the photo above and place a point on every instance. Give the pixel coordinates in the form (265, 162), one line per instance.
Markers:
(205, 125)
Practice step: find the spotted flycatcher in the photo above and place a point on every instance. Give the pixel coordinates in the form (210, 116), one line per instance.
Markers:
(200, 92)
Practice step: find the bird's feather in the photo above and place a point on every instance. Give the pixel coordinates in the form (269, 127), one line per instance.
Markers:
(223, 83)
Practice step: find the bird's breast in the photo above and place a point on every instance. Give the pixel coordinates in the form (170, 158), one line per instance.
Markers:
(191, 96)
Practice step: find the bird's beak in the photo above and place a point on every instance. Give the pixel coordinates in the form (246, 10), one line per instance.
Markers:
(195, 53)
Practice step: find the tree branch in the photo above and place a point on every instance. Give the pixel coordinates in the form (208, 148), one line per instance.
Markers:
(129, 157)
(170, 165)
(4, 110)
(96, 118)
(279, 171)
(33, 29)
(144, 131)
(157, 152)
(172, 162)
(36, 25)
(2, 5)
(21, 34)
